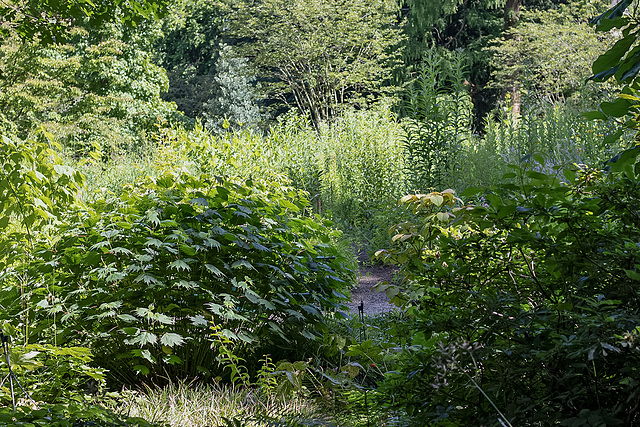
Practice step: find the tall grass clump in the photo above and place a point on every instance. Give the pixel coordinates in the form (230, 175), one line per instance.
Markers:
(353, 167)
(186, 405)
(549, 138)
(437, 123)
(363, 171)
(556, 133)
(444, 151)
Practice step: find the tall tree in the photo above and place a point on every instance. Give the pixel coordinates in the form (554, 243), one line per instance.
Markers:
(94, 92)
(188, 50)
(469, 25)
(323, 53)
(51, 21)
(549, 53)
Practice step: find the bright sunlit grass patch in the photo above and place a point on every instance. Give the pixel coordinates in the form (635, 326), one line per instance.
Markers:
(189, 404)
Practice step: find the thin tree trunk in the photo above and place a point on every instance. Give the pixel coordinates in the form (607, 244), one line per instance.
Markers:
(511, 18)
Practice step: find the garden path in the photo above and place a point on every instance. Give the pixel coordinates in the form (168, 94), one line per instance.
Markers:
(370, 275)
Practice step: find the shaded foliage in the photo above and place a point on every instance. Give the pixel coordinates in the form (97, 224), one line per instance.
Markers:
(525, 305)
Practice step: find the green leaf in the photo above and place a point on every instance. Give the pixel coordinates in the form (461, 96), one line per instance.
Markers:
(215, 270)
(187, 250)
(141, 369)
(307, 334)
(612, 14)
(613, 137)
(443, 216)
(611, 58)
(151, 241)
(617, 108)
(311, 309)
(147, 278)
(242, 263)
(198, 320)
(594, 115)
(570, 174)
(212, 243)
(506, 211)
(633, 275)
(623, 159)
(609, 24)
(179, 265)
(145, 338)
(171, 339)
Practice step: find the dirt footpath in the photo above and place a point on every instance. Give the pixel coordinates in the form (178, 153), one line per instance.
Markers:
(370, 276)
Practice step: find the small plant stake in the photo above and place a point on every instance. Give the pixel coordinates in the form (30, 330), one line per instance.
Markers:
(363, 331)
(11, 376)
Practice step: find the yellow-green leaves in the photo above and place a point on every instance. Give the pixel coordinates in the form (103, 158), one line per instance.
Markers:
(35, 190)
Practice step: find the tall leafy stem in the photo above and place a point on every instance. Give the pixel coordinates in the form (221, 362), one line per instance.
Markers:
(36, 190)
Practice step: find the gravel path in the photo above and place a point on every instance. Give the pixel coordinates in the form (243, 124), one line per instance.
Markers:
(370, 276)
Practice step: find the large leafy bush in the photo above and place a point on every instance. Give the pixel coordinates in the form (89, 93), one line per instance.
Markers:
(187, 274)
(525, 305)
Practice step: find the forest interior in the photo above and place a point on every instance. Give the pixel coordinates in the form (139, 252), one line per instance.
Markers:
(319, 213)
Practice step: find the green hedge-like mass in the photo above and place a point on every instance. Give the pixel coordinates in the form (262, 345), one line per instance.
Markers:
(185, 275)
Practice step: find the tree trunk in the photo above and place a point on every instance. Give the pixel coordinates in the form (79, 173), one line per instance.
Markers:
(511, 18)
(511, 14)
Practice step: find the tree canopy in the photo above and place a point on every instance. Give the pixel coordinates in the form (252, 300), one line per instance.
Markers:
(52, 20)
(321, 54)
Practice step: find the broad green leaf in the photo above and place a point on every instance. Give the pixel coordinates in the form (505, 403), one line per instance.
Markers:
(154, 242)
(617, 108)
(187, 250)
(242, 263)
(634, 275)
(198, 320)
(594, 115)
(570, 174)
(145, 338)
(436, 199)
(179, 265)
(141, 369)
(612, 57)
(163, 318)
(171, 339)
(443, 216)
(215, 270)
(506, 211)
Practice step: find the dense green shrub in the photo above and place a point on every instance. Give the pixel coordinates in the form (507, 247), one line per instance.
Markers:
(526, 304)
(186, 275)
